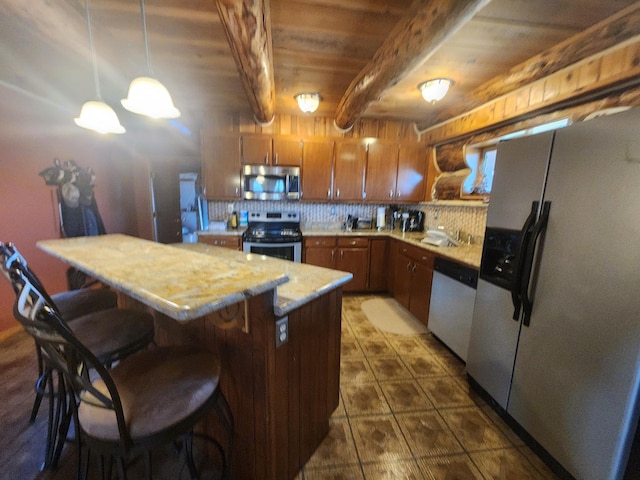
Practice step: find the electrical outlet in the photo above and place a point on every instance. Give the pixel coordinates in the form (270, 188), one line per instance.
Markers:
(282, 331)
(230, 208)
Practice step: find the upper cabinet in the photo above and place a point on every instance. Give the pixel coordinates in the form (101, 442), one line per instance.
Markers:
(274, 151)
(348, 172)
(317, 170)
(382, 165)
(412, 173)
(221, 167)
(395, 173)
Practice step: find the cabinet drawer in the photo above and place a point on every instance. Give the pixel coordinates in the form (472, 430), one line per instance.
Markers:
(353, 242)
(221, 241)
(319, 241)
(416, 253)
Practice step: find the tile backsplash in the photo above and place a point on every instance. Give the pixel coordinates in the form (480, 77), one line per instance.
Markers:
(468, 218)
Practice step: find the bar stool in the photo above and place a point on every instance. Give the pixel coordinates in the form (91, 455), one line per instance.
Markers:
(110, 333)
(148, 399)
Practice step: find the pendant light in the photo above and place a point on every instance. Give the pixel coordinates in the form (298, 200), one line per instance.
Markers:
(147, 96)
(95, 114)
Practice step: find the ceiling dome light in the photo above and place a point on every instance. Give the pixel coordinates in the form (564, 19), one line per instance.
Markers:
(98, 116)
(436, 89)
(147, 96)
(308, 102)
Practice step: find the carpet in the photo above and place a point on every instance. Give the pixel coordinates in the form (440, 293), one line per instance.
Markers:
(389, 316)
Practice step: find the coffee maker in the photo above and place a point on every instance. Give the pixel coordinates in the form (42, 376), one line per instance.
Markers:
(415, 221)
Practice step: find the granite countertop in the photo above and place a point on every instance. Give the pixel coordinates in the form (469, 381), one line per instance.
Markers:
(180, 283)
(306, 282)
(469, 255)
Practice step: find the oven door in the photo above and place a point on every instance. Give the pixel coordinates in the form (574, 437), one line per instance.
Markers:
(287, 251)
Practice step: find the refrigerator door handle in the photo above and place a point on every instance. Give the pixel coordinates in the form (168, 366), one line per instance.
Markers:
(539, 228)
(518, 264)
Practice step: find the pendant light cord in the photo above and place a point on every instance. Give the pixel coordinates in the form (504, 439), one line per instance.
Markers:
(94, 61)
(144, 35)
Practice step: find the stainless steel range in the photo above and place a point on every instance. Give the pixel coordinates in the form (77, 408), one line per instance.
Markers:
(276, 234)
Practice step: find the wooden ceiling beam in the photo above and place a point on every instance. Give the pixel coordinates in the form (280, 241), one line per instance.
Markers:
(427, 24)
(247, 25)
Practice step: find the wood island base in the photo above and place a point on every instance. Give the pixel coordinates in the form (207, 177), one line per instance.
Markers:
(281, 398)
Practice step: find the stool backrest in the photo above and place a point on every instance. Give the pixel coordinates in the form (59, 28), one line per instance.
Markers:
(60, 347)
(11, 256)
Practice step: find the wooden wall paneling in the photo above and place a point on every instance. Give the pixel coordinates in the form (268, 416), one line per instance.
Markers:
(313, 365)
(334, 328)
(296, 319)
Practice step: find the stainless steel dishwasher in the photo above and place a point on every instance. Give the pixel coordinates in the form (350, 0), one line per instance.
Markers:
(453, 293)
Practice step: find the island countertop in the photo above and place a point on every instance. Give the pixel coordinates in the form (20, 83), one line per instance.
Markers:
(305, 283)
(195, 279)
(181, 284)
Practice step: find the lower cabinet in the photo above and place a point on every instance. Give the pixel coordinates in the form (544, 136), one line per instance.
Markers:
(341, 253)
(413, 275)
(226, 241)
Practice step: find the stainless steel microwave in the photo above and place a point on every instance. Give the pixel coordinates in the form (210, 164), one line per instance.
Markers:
(260, 182)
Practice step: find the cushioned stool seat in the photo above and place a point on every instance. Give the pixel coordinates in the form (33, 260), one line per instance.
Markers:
(158, 388)
(113, 334)
(76, 303)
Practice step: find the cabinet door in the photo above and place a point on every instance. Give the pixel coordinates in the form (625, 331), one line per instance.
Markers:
(421, 278)
(378, 271)
(382, 164)
(402, 280)
(317, 169)
(348, 179)
(256, 150)
(234, 243)
(412, 173)
(221, 167)
(320, 256)
(287, 152)
(356, 261)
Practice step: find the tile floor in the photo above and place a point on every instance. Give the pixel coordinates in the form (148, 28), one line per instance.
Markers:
(407, 412)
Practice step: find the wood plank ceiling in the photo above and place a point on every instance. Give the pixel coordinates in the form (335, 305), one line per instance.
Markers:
(317, 46)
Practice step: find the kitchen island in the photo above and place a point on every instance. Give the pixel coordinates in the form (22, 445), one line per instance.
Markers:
(233, 304)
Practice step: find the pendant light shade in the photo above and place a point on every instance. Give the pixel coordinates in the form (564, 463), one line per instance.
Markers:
(147, 96)
(100, 117)
(95, 114)
(436, 89)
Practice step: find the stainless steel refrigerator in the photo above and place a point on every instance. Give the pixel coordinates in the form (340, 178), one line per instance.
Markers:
(555, 336)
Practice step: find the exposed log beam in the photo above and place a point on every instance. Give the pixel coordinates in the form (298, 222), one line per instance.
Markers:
(426, 26)
(248, 28)
(608, 33)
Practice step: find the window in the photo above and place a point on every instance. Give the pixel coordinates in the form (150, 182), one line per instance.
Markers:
(481, 159)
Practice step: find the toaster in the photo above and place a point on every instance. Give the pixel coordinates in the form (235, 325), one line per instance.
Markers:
(364, 224)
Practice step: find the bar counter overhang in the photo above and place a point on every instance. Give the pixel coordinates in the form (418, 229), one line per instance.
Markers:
(228, 301)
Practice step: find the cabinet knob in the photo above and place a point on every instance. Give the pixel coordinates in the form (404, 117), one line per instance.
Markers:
(266, 159)
(353, 242)
(390, 193)
(332, 254)
(328, 193)
(338, 193)
(275, 159)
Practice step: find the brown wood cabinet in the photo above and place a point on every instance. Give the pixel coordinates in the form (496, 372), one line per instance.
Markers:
(382, 165)
(395, 173)
(413, 277)
(348, 173)
(317, 170)
(412, 173)
(267, 150)
(348, 254)
(221, 167)
(227, 241)
(378, 264)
